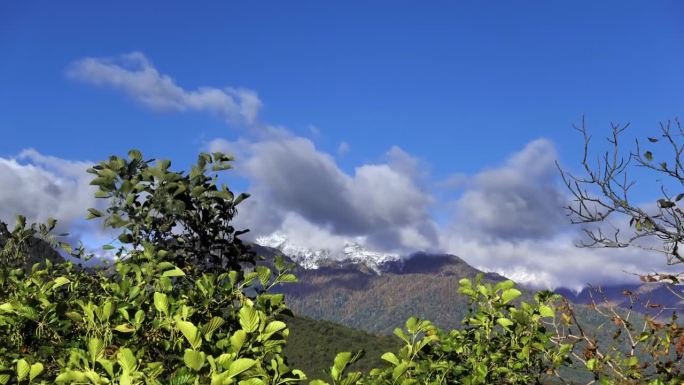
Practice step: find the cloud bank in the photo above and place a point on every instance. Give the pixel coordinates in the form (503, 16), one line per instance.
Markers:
(508, 218)
(382, 203)
(39, 186)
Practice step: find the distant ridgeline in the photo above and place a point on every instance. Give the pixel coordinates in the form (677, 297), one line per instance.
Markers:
(360, 297)
(423, 285)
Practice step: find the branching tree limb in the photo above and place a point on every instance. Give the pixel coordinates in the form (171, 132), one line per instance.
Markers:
(602, 199)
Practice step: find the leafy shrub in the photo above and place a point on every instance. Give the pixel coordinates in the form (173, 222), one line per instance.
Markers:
(185, 303)
(499, 344)
(177, 307)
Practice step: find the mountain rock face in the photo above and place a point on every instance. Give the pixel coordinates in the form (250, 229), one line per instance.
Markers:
(379, 293)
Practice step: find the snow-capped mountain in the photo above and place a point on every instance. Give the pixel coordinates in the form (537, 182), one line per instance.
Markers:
(309, 258)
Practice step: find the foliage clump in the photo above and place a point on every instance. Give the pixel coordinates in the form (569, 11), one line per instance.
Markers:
(178, 306)
(185, 303)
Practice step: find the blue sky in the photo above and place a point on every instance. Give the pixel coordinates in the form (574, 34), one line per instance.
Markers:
(453, 90)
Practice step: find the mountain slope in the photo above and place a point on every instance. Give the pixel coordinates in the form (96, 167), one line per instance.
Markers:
(356, 295)
(313, 344)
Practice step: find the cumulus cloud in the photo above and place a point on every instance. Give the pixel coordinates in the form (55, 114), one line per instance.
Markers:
(39, 186)
(518, 200)
(135, 75)
(377, 201)
(507, 219)
(510, 220)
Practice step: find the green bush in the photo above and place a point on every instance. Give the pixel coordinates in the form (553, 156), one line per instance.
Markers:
(176, 308)
(185, 303)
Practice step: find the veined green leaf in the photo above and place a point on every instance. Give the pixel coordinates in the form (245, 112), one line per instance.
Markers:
(23, 369)
(237, 340)
(240, 365)
(391, 358)
(194, 359)
(546, 311)
(124, 328)
(60, 281)
(505, 322)
(175, 272)
(127, 360)
(190, 332)
(95, 348)
(510, 294)
(36, 370)
(249, 318)
(161, 302)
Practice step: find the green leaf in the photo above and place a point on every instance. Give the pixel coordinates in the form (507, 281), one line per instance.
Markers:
(237, 340)
(411, 324)
(648, 155)
(124, 328)
(401, 334)
(287, 278)
(342, 360)
(240, 365)
(126, 360)
(161, 302)
(60, 281)
(510, 294)
(632, 361)
(190, 332)
(95, 347)
(264, 274)
(399, 370)
(652, 140)
(592, 364)
(391, 358)
(240, 198)
(194, 359)
(107, 365)
(135, 155)
(546, 311)
(279, 263)
(36, 370)
(93, 213)
(210, 327)
(125, 238)
(504, 285)
(23, 369)
(274, 327)
(505, 322)
(249, 318)
(175, 272)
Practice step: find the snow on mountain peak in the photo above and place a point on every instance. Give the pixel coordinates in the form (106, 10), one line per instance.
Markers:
(310, 258)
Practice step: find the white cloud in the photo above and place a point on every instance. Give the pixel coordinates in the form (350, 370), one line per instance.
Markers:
(377, 201)
(134, 75)
(507, 219)
(39, 186)
(518, 200)
(510, 220)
